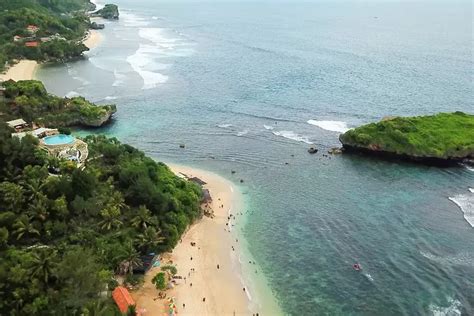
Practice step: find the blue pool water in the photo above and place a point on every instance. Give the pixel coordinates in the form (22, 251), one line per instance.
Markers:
(251, 85)
(60, 139)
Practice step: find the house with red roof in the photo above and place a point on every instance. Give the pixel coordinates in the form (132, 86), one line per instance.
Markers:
(32, 28)
(32, 44)
(122, 298)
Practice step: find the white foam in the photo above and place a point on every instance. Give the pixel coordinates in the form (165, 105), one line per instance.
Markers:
(132, 20)
(72, 94)
(142, 62)
(154, 18)
(452, 310)
(466, 204)
(110, 98)
(333, 126)
(293, 136)
(242, 133)
(119, 79)
(268, 127)
(98, 6)
(224, 125)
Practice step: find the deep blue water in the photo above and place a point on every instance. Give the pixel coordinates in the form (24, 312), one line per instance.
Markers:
(237, 83)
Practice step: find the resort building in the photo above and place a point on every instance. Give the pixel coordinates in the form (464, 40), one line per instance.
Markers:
(122, 298)
(18, 124)
(32, 29)
(32, 44)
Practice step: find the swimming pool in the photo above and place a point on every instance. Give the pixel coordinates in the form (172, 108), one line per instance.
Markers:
(60, 139)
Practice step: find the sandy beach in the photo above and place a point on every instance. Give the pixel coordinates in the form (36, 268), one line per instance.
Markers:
(24, 70)
(221, 287)
(93, 39)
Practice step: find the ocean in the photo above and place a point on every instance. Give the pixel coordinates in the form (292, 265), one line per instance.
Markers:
(250, 86)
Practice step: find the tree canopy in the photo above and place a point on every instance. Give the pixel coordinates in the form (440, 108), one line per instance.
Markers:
(62, 237)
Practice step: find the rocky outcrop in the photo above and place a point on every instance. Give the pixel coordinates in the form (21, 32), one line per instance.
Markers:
(442, 139)
(99, 120)
(109, 11)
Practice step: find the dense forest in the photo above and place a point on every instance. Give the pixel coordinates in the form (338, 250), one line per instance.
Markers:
(61, 24)
(29, 100)
(62, 237)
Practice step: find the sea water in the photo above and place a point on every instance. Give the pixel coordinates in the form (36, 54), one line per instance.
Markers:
(250, 86)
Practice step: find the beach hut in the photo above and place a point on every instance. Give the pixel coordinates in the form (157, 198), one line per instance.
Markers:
(197, 181)
(122, 298)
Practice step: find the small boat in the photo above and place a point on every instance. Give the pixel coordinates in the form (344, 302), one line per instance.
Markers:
(357, 267)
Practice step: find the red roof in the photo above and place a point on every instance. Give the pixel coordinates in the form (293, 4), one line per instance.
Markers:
(31, 44)
(122, 298)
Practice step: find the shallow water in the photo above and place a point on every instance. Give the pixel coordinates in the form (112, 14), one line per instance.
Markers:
(249, 86)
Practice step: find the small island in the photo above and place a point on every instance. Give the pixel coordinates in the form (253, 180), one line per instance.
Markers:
(441, 139)
(30, 100)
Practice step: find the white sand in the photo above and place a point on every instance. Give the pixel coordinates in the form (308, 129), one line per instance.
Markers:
(93, 39)
(24, 70)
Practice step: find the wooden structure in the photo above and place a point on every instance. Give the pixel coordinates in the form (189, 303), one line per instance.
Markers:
(17, 124)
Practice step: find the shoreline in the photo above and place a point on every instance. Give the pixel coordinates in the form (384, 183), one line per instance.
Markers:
(216, 244)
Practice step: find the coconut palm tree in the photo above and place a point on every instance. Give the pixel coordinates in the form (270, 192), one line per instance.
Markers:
(110, 218)
(129, 259)
(143, 218)
(23, 226)
(44, 265)
(96, 308)
(12, 196)
(150, 238)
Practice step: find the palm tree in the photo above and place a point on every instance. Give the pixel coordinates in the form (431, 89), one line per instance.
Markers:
(44, 265)
(12, 196)
(149, 239)
(131, 310)
(96, 308)
(38, 206)
(129, 259)
(143, 218)
(34, 187)
(110, 218)
(24, 226)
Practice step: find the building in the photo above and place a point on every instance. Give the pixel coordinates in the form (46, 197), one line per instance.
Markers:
(122, 298)
(32, 44)
(32, 29)
(18, 124)
(17, 38)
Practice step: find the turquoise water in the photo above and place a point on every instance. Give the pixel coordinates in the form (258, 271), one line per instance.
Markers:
(60, 139)
(250, 86)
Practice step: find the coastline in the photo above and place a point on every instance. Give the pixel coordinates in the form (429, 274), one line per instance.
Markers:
(216, 244)
(93, 39)
(24, 70)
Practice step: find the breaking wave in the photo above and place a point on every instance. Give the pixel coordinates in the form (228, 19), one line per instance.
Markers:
(268, 127)
(466, 204)
(224, 125)
(452, 310)
(293, 136)
(333, 126)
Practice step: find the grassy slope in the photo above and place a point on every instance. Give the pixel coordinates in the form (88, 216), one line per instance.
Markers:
(444, 136)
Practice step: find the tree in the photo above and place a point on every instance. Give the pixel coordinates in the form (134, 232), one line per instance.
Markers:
(110, 218)
(149, 239)
(44, 265)
(159, 281)
(24, 226)
(129, 259)
(143, 218)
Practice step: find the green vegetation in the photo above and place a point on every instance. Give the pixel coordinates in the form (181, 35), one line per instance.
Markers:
(159, 281)
(63, 237)
(109, 11)
(443, 136)
(172, 269)
(30, 100)
(63, 21)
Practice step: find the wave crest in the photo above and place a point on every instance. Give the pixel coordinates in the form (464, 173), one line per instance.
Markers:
(333, 126)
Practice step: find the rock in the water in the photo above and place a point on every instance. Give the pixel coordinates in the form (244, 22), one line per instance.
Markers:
(312, 150)
(335, 151)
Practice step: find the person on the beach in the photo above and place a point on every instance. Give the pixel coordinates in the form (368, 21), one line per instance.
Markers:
(203, 299)
(191, 258)
(218, 267)
(184, 305)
